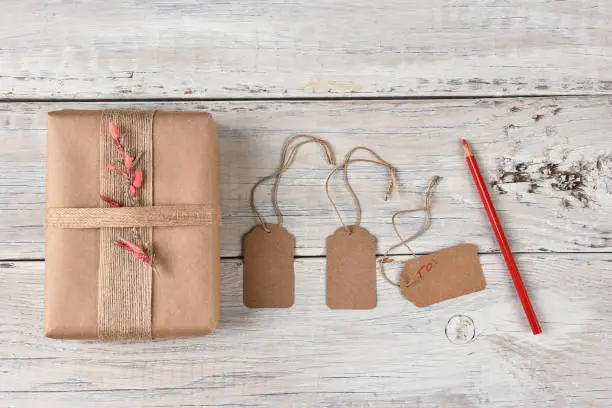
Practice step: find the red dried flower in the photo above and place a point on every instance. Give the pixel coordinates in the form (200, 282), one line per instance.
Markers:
(113, 131)
(130, 246)
(137, 251)
(111, 166)
(143, 257)
(137, 182)
(128, 161)
(107, 200)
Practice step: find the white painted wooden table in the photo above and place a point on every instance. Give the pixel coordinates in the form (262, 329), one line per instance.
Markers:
(527, 81)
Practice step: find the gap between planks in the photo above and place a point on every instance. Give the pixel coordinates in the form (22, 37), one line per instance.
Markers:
(378, 255)
(306, 98)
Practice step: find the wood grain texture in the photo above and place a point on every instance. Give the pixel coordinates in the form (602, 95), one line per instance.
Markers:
(570, 210)
(549, 162)
(396, 355)
(229, 49)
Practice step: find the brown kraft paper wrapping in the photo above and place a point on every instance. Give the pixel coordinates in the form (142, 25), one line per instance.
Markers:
(185, 291)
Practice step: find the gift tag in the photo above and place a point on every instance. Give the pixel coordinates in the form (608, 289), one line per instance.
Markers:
(442, 275)
(351, 269)
(351, 250)
(268, 278)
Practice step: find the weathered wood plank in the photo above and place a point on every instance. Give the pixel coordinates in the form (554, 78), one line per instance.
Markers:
(419, 137)
(395, 355)
(226, 49)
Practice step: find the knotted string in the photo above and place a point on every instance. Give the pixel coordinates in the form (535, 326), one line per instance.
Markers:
(404, 241)
(288, 156)
(392, 183)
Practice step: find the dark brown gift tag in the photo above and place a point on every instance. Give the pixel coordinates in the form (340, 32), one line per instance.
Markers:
(351, 269)
(442, 275)
(268, 278)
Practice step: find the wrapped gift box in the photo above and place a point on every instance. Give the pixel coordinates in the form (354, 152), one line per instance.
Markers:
(180, 294)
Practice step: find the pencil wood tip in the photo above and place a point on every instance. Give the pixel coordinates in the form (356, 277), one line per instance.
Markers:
(466, 148)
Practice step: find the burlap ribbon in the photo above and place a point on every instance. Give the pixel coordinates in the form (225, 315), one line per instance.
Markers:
(125, 283)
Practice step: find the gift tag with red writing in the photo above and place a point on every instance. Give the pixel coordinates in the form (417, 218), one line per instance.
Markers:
(442, 275)
(351, 269)
(268, 277)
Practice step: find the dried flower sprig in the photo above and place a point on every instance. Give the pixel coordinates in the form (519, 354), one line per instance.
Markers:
(109, 201)
(136, 250)
(133, 178)
(125, 165)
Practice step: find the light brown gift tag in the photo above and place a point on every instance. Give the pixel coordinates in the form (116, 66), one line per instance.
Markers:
(351, 249)
(351, 269)
(442, 275)
(268, 278)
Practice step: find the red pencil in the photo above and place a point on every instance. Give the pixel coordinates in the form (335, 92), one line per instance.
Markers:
(501, 238)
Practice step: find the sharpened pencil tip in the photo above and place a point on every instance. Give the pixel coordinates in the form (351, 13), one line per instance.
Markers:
(466, 148)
